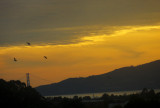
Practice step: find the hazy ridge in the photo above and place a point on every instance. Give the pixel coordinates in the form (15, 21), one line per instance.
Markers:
(126, 78)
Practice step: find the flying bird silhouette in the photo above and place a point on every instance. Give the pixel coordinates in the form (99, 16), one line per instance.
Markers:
(28, 43)
(15, 59)
(45, 57)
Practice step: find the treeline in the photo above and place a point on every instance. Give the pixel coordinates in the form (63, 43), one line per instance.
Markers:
(16, 94)
(145, 99)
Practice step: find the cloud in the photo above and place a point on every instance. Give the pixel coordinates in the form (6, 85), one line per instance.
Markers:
(62, 22)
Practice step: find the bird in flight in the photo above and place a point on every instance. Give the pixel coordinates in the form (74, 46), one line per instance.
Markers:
(15, 59)
(28, 43)
(45, 57)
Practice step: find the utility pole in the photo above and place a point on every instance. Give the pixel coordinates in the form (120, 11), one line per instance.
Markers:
(28, 80)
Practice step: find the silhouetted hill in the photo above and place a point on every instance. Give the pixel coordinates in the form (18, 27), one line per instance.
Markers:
(126, 78)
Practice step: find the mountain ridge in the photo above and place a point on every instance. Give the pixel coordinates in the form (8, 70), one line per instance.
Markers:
(125, 78)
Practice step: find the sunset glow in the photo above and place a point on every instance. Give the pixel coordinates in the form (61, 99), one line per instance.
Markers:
(75, 49)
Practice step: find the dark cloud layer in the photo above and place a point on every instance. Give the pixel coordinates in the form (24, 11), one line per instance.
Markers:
(18, 16)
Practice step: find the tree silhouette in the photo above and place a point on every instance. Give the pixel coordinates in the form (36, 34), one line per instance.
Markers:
(16, 94)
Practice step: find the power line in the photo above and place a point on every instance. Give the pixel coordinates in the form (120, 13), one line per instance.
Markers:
(30, 79)
(42, 79)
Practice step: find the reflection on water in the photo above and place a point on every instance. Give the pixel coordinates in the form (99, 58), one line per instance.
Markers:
(96, 95)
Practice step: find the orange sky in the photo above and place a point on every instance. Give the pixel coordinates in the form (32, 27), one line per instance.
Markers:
(96, 54)
(80, 38)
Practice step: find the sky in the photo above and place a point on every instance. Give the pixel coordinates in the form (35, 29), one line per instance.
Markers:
(80, 37)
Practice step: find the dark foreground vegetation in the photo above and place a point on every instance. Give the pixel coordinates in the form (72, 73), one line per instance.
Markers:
(16, 94)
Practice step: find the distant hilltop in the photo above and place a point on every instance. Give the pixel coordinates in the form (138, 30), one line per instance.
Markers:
(122, 79)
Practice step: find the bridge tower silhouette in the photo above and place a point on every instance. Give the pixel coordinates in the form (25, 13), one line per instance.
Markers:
(28, 79)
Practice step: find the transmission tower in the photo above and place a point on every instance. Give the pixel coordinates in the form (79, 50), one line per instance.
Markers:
(28, 80)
